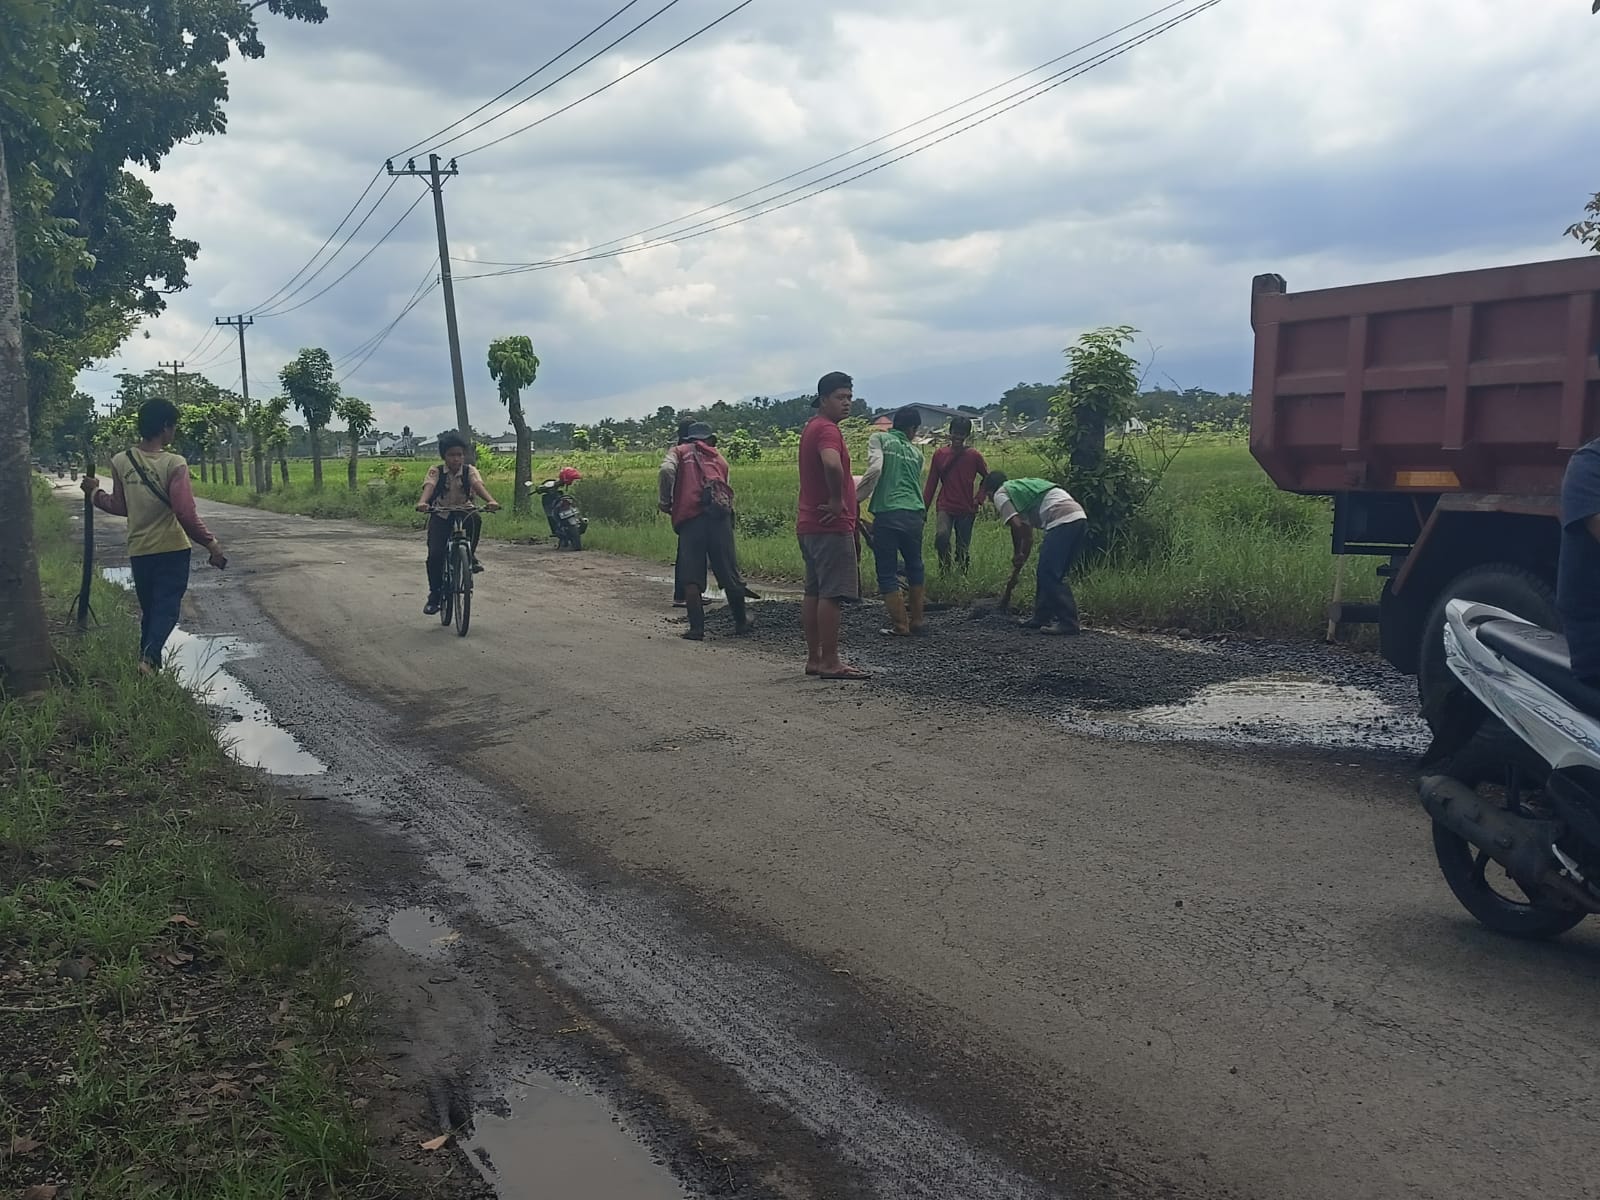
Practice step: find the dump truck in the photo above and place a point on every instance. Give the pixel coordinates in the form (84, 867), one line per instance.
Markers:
(1439, 414)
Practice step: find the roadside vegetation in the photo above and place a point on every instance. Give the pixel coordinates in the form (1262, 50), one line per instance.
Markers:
(172, 1027)
(1216, 549)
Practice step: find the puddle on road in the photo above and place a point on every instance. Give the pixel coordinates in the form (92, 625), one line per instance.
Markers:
(422, 931)
(1273, 711)
(548, 1138)
(247, 730)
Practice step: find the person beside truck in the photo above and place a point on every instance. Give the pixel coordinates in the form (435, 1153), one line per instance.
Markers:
(1029, 504)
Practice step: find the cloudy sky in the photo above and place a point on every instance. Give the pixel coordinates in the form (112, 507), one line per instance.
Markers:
(1331, 142)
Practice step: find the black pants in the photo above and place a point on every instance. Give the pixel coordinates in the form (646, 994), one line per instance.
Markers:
(708, 540)
(159, 581)
(1053, 599)
(959, 524)
(439, 543)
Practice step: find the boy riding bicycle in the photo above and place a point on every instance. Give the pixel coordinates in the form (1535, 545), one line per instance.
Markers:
(450, 487)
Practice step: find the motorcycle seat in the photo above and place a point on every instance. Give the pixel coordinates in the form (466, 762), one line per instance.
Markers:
(1543, 655)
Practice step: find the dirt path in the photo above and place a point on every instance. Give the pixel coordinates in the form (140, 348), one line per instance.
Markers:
(873, 945)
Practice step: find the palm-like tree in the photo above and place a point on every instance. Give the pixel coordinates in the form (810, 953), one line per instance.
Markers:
(513, 366)
(357, 417)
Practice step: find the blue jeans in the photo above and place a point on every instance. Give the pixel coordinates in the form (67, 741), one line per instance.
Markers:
(1053, 599)
(897, 536)
(159, 581)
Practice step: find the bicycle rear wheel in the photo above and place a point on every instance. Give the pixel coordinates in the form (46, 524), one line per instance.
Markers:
(462, 563)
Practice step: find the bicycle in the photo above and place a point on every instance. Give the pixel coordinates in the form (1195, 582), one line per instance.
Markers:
(455, 593)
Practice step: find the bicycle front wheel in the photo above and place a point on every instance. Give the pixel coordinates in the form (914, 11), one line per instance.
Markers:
(463, 584)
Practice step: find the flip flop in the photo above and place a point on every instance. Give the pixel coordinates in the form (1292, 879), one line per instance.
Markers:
(813, 671)
(849, 673)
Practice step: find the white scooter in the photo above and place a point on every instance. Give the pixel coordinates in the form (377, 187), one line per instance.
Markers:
(1515, 801)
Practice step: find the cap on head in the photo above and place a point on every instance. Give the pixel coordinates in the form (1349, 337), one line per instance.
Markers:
(830, 383)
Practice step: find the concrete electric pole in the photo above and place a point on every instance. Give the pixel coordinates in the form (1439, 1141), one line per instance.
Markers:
(435, 175)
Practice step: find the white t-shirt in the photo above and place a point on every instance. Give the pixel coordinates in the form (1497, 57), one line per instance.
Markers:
(1056, 507)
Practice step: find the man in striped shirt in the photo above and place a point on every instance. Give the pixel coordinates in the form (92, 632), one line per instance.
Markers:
(1029, 504)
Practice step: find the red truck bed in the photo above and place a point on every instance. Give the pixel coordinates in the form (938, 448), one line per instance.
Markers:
(1480, 381)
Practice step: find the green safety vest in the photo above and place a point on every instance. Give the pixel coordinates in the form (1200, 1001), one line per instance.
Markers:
(899, 488)
(1025, 494)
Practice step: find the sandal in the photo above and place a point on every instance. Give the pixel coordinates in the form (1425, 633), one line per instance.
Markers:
(849, 673)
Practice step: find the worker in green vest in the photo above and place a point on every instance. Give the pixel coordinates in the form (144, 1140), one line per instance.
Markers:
(893, 480)
(1029, 504)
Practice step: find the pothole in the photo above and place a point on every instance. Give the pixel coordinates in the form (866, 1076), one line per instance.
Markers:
(544, 1137)
(422, 931)
(1272, 710)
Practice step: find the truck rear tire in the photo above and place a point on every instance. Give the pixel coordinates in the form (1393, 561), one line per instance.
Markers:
(1504, 585)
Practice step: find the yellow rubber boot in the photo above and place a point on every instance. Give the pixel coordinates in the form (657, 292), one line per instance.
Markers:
(919, 598)
(899, 623)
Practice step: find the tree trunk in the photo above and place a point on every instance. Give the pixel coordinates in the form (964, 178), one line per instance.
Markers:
(522, 496)
(283, 466)
(26, 659)
(260, 477)
(354, 449)
(316, 457)
(203, 477)
(238, 460)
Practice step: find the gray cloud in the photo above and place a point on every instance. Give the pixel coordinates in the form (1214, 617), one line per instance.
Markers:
(1331, 143)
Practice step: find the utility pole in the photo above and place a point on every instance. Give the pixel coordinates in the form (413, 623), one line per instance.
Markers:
(176, 367)
(435, 175)
(241, 322)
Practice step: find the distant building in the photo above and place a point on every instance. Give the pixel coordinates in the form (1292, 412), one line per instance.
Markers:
(934, 418)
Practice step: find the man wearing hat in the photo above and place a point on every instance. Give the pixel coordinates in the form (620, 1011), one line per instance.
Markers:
(694, 489)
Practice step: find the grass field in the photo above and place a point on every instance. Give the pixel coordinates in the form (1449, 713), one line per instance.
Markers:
(1231, 552)
(172, 1027)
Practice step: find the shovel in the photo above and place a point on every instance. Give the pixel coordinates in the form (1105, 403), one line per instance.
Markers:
(983, 610)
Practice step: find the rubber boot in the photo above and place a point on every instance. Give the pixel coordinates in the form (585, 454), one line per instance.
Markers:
(919, 599)
(899, 623)
(741, 615)
(697, 615)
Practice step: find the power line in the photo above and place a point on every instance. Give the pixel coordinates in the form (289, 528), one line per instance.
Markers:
(855, 149)
(605, 87)
(537, 92)
(388, 233)
(1016, 99)
(327, 262)
(546, 65)
(416, 292)
(383, 335)
(376, 175)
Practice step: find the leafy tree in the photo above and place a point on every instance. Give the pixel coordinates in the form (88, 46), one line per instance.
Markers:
(740, 446)
(1098, 393)
(580, 438)
(309, 382)
(513, 366)
(606, 434)
(1028, 401)
(357, 417)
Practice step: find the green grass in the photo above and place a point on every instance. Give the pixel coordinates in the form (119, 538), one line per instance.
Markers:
(171, 1024)
(1230, 553)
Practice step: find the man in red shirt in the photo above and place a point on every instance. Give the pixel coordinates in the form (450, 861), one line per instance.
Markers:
(827, 528)
(955, 469)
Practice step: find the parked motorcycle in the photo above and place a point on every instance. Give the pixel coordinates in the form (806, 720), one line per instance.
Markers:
(567, 522)
(1512, 781)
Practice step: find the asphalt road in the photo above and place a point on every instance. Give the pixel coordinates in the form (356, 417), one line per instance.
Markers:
(907, 946)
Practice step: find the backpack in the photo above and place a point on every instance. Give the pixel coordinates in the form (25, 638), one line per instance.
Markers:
(716, 495)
